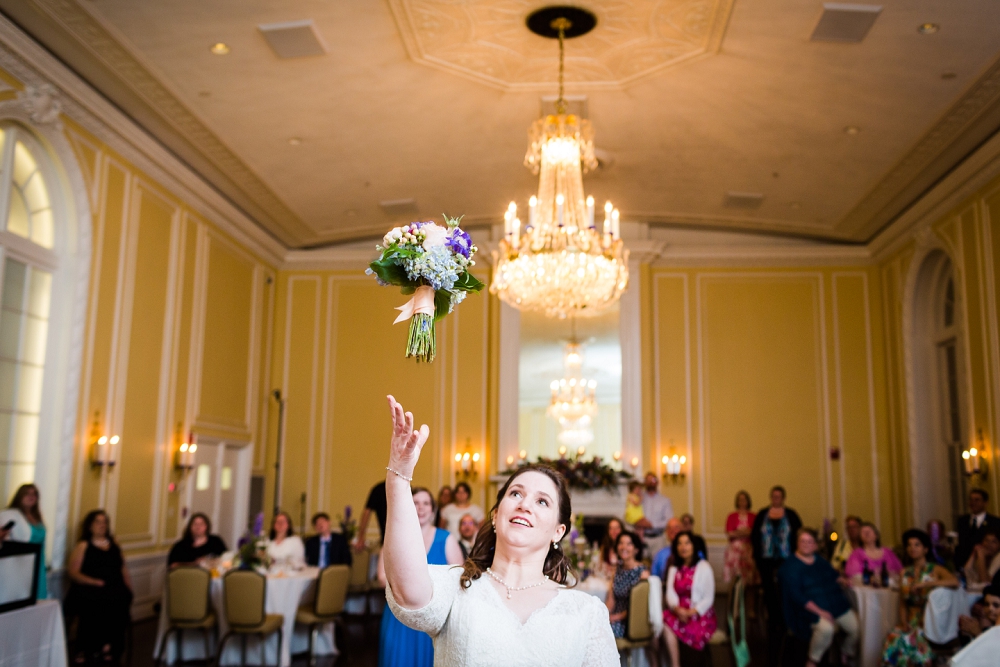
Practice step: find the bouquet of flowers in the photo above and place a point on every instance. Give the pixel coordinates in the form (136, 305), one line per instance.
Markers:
(252, 553)
(348, 524)
(431, 263)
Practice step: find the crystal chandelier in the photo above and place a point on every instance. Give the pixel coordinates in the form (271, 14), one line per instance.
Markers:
(574, 399)
(561, 264)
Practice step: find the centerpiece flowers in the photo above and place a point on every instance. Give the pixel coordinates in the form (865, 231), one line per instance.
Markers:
(430, 263)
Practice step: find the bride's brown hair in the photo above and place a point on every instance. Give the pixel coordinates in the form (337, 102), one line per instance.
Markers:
(557, 566)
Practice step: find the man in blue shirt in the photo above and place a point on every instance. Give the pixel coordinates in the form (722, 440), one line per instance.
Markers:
(662, 557)
(326, 547)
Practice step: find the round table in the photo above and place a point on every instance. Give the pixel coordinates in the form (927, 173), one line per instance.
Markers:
(286, 591)
(594, 585)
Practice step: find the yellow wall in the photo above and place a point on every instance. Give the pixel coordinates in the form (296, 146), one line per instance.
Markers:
(754, 375)
(336, 356)
(175, 340)
(970, 235)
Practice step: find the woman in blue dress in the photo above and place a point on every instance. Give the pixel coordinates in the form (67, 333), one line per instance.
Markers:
(28, 527)
(398, 645)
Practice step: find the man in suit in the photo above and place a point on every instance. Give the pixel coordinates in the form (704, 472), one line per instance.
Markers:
(325, 547)
(971, 526)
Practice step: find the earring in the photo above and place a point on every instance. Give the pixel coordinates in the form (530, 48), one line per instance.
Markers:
(555, 545)
(494, 526)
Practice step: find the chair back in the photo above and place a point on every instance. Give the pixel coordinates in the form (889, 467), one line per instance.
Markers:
(331, 590)
(187, 593)
(639, 628)
(359, 568)
(244, 594)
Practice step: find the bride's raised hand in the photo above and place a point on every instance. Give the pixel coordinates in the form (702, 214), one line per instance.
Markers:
(406, 443)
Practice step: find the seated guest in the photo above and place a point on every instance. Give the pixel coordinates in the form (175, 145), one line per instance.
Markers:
(815, 605)
(609, 559)
(630, 572)
(100, 594)
(848, 542)
(984, 563)
(739, 552)
(689, 615)
(326, 547)
(984, 614)
(467, 529)
(196, 544)
(970, 526)
(28, 527)
(687, 522)
(444, 498)
(285, 547)
(907, 645)
(661, 560)
(633, 503)
(461, 505)
(865, 566)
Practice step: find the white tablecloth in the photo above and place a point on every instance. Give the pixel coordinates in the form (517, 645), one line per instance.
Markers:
(33, 636)
(944, 606)
(878, 614)
(285, 592)
(594, 585)
(980, 653)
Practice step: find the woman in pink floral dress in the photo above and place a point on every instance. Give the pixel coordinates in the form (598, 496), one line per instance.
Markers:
(739, 553)
(689, 615)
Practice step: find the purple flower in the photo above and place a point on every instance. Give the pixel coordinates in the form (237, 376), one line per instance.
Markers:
(245, 540)
(347, 513)
(258, 524)
(459, 242)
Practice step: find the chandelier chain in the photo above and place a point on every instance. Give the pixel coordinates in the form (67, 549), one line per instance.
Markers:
(561, 24)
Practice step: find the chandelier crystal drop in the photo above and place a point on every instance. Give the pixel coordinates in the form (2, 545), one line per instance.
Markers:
(562, 264)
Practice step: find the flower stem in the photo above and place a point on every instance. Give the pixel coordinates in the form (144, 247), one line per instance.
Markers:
(422, 342)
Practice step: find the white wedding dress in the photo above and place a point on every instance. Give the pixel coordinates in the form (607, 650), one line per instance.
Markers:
(473, 628)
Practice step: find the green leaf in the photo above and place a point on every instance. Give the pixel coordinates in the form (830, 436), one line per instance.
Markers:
(390, 272)
(469, 283)
(442, 300)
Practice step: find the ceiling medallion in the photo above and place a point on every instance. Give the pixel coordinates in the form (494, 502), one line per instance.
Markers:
(562, 265)
(485, 39)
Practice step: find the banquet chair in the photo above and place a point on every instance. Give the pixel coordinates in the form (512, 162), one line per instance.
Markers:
(244, 594)
(188, 608)
(328, 604)
(360, 583)
(638, 630)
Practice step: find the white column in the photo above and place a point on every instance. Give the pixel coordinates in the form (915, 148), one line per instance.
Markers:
(630, 332)
(508, 438)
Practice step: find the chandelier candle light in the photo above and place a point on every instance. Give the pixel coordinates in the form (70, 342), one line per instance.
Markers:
(562, 264)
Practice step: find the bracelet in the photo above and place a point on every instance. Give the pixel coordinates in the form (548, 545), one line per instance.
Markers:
(399, 474)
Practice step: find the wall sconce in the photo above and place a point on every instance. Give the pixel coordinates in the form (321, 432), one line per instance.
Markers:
(562, 451)
(522, 457)
(465, 462)
(972, 458)
(185, 456)
(634, 463)
(510, 461)
(103, 448)
(674, 468)
(581, 451)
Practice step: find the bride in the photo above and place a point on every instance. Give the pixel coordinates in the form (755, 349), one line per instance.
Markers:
(509, 604)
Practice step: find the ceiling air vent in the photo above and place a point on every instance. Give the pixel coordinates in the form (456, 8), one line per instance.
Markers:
(399, 208)
(748, 201)
(844, 22)
(293, 39)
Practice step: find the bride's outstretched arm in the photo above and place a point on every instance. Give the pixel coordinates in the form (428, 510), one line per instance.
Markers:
(403, 552)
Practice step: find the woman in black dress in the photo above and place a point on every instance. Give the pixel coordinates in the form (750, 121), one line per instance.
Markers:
(197, 543)
(101, 592)
(630, 572)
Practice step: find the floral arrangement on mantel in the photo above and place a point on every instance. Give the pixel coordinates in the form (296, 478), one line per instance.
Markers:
(581, 474)
(348, 524)
(431, 263)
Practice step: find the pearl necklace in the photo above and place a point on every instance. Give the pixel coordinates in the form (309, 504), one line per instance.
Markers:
(511, 589)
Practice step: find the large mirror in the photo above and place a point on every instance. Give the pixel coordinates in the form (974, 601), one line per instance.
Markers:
(567, 366)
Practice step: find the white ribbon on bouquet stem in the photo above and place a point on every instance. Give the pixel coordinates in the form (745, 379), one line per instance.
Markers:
(422, 301)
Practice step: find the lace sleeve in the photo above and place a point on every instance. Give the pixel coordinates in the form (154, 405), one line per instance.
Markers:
(601, 649)
(431, 617)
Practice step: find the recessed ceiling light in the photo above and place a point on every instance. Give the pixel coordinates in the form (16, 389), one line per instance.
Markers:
(295, 141)
(852, 130)
(219, 49)
(948, 76)
(928, 28)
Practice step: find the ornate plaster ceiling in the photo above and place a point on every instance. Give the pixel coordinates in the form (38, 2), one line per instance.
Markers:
(765, 114)
(487, 40)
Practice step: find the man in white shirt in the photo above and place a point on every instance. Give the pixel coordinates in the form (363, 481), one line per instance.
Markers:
(468, 528)
(657, 510)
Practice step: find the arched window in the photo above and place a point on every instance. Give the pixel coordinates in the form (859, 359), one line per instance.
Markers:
(27, 263)
(938, 422)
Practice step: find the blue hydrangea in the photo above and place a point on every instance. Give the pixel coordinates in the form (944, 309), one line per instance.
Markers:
(439, 267)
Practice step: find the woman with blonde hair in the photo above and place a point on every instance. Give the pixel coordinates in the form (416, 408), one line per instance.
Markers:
(509, 604)
(28, 527)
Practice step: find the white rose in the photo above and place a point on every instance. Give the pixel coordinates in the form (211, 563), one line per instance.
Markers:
(394, 235)
(434, 236)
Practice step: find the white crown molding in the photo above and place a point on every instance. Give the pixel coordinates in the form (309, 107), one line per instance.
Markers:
(27, 61)
(763, 255)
